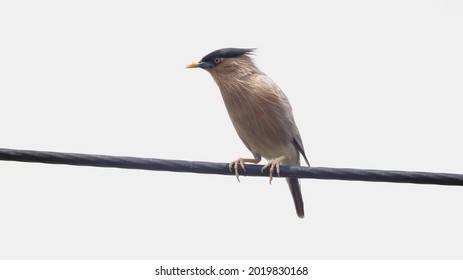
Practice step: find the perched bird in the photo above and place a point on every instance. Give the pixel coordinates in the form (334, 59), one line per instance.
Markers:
(260, 113)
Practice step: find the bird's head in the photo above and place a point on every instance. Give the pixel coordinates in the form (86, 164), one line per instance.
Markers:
(227, 59)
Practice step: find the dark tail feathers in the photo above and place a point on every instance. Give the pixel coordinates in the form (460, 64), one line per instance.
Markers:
(295, 189)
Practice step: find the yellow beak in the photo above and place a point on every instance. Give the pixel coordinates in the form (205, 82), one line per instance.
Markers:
(193, 65)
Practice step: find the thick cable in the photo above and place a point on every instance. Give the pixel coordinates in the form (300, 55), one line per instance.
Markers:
(324, 173)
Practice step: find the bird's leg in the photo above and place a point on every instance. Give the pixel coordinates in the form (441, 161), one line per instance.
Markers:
(273, 163)
(240, 162)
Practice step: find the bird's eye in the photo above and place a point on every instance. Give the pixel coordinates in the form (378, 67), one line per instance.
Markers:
(217, 60)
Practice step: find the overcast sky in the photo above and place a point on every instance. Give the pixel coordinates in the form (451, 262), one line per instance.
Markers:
(373, 84)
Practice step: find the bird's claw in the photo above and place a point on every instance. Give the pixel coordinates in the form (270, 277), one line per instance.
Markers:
(235, 164)
(274, 163)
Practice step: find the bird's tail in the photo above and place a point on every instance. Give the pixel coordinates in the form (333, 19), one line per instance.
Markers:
(295, 188)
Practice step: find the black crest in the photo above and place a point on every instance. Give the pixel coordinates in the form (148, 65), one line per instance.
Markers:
(226, 53)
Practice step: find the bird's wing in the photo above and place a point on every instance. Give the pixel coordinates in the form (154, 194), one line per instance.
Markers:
(297, 141)
(274, 88)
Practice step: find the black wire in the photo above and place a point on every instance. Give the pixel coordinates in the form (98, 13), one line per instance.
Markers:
(222, 168)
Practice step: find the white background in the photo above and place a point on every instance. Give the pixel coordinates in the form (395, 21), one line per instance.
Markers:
(373, 84)
(146, 269)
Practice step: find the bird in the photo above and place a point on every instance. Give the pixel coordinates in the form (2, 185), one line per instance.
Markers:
(260, 113)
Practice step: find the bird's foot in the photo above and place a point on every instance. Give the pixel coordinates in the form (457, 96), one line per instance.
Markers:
(240, 162)
(274, 163)
(235, 164)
